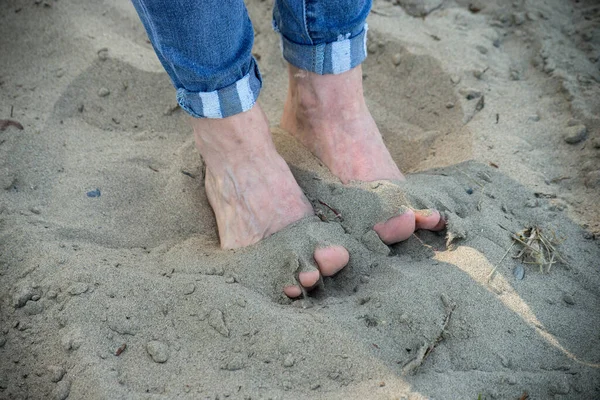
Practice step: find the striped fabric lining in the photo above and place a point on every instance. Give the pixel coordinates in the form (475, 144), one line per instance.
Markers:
(233, 99)
(328, 58)
(211, 106)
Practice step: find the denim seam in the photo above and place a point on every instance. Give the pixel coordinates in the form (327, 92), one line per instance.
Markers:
(306, 22)
(154, 33)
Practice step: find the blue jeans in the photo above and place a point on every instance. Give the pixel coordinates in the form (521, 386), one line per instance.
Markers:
(205, 46)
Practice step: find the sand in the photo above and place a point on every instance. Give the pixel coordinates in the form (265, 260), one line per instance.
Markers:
(112, 283)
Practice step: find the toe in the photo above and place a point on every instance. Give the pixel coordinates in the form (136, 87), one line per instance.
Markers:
(397, 228)
(331, 259)
(309, 279)
(430, 220)
(292, 291)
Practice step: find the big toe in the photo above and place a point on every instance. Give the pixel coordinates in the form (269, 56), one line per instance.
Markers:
(331, 259)
(397, 228)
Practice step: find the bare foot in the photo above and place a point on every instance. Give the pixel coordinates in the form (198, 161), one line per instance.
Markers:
(252, 190)
(329, 116)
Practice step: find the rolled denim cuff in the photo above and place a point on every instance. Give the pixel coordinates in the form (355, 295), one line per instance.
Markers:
(238, 97)
(327, 58)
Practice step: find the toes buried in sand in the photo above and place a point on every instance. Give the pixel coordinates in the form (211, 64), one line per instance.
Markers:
(398, 228)
(308, 280)
(331, 259)
(430, 220)
(292, 291)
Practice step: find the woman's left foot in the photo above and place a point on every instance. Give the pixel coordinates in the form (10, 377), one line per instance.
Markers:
(329, 116)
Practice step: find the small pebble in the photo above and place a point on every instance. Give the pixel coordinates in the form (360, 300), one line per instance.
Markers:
(78, 288)
(288, 361)
(549, 66)
(210, 271)
(158, 351)
(170, 109)
(103, 92)
(592, 179)
(235, 364)
(445, 300)
(532, 203)
(567, 298)
(230, 279)
(575, 134)
(364, 279)
(103, 54)
(71, 340)
(481, 49)
(217, 321)
(22, 295)
(241, 302)
(396, 59)
(449, 105)
(35, 210)
(534, 118)
(470, 93)
(93, 193)
(315, 386)
(514, 74)
(505, 361)
(51, 294)
(455, 79)
(559, 387)
(62, 390)
(189, 288)
(519, 272)
(531, 16)
(518, 18)
(56, 372)
(33, 308)
(469, 190)
(364, 300)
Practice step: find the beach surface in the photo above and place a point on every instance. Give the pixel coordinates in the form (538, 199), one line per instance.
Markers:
(112, 282)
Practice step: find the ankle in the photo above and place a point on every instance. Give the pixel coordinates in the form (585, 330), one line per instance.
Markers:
(314, 93)
(233, 140)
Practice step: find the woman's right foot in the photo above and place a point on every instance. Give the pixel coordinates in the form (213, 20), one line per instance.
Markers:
(252, 190)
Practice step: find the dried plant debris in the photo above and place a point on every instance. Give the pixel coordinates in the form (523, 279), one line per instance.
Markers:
(410, 367)
(538, 247)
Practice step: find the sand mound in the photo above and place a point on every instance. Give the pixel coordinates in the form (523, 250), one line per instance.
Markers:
(112, 283)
